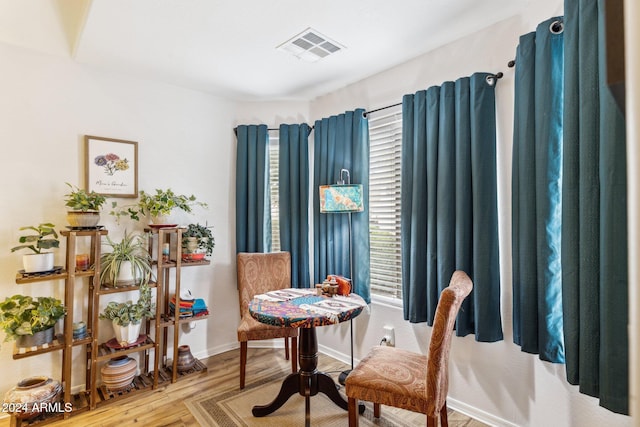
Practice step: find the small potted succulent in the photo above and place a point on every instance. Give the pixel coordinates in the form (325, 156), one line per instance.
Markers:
(128, 263)
(126, 317)
(45, 237)
(30, 321)
(197, 242)
(158, 206)
(85, 207)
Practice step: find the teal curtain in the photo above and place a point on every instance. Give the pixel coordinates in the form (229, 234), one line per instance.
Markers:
(449, 213)
(253, 212)
(342, 141)
(536, 201)
(293, 179)
(594, 216)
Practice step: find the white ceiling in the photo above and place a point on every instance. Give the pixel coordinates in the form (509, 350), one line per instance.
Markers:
(228, 47)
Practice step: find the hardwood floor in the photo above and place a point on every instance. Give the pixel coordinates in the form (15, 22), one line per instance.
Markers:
(165, 405)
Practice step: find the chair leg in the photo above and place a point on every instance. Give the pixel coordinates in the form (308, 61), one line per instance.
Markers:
(243, 362)
(294, 354)
(286, 348)
(376, 410)
(431, 421)
(444, 422)
(354, 416)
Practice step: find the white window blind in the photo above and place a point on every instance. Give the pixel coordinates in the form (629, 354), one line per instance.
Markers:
(385, 134)
(274, 156)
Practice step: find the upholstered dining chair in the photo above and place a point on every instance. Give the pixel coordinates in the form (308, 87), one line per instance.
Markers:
(404, 379)
(259, 273)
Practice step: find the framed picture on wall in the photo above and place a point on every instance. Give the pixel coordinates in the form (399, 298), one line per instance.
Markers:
(111, 166)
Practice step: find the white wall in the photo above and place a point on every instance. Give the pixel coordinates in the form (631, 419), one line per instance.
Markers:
(492, 381)
(185, 142)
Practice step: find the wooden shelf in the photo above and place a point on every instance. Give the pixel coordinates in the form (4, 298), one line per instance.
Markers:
(105, 352)
(22, 352)
(140, 383)
(105, 290)
(167, 320)
(40, 277)
(166, 372)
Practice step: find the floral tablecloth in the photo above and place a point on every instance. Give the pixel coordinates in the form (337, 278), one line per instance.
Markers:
(305, 311)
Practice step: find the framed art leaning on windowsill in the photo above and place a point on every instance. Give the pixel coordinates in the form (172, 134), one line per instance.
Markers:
(111, 166)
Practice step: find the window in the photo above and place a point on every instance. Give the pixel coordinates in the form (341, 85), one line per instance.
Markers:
(385, 134)
(274, 156)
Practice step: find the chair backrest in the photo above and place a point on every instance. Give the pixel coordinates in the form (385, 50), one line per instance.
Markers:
(440, 344)
(261, 272)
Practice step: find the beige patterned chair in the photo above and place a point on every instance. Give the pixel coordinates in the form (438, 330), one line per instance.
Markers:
(259, 273)
(403, 379)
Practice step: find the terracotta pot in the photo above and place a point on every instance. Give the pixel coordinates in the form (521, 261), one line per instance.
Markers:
(193, 257)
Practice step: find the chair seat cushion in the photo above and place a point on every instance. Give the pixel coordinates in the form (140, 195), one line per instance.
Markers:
(390, 376)
(250, 329)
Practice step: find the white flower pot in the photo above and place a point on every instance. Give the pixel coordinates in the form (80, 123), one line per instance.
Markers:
(125, 274)
(36, 263)
(126, 334)
(160, 219)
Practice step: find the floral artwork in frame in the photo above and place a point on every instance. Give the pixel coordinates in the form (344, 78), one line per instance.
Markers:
(111, 166)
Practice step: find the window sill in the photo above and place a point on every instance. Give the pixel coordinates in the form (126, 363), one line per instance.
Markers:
(386, 301)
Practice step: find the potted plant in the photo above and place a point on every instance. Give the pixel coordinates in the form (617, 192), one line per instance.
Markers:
(126, 317)
(197, 242)
(85, 207)
(45, 237)
(158, 206)
(128, 263)
(30, 321)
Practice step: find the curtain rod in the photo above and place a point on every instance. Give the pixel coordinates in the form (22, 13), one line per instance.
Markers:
(235, 129)
(497, 75)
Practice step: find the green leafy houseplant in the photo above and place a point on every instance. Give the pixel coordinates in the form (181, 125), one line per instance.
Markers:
(45, 238)
(79, 200)
(23, 315)
(125, 313)
(203, 236)
(160, 203)
(130, 253)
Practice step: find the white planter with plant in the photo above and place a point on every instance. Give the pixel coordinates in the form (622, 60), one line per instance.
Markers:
(158, 206)
(23, 317)
(45, 237)
(126, 317)
(197, 240)
(85, 207)
(128, 263)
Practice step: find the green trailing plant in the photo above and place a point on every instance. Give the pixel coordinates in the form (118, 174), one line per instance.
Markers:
(79, 200)
(124, 313)
(45, 238)
(203, 235)
(131, 248)
(24, 315)
(162, 202)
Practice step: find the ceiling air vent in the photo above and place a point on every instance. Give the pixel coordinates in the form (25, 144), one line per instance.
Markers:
(310, 46)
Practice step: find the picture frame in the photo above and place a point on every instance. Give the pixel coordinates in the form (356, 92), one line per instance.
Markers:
(111, 166)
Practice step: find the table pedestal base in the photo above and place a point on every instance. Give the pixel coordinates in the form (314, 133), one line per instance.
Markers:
(307, 381)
